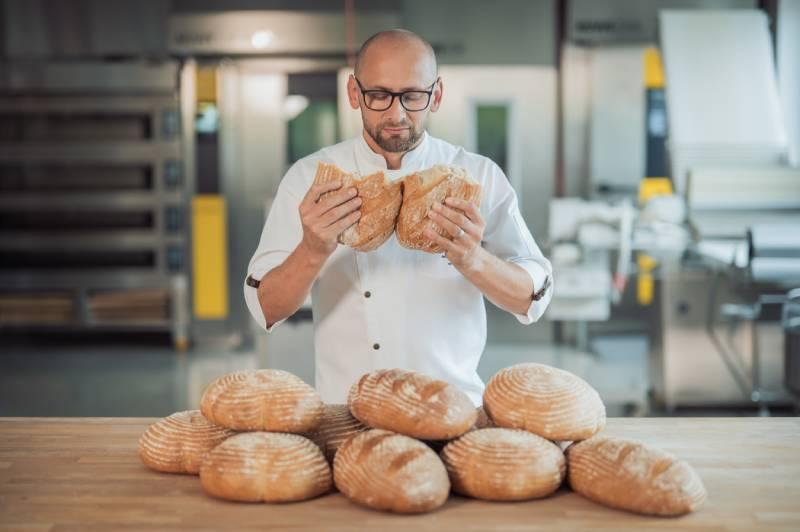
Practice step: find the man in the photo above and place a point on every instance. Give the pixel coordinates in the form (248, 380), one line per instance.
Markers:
(394, 307)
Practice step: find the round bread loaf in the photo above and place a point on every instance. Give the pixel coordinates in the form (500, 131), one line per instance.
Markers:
(338, 424)
(547, 401)
(380, 205)
(384, 470)
(632, 476)
(504, 465)
(266, 466)
(262, 400)
(179, 443)
(420, 191)
(412, 404)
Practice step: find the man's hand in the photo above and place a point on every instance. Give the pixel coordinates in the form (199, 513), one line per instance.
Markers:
(325, 219)
(463, 222)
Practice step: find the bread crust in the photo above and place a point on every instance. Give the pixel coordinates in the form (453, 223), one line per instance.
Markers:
(179, 442)
(384, 470)
(262, 400)
(420, 191)
(266, 467)
(504, 465)
(633, 476)
(547, 401)
(380, 205)
(411, 403)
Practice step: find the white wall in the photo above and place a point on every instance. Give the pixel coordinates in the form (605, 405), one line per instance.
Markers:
(788, 57)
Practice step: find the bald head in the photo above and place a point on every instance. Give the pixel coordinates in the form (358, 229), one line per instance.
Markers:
(398, 45)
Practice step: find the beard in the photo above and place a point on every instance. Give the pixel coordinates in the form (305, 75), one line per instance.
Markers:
(394, 143)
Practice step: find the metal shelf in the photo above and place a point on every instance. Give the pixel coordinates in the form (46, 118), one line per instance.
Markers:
(106, 160)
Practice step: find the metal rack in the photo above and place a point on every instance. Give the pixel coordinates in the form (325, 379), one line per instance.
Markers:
(93, 197)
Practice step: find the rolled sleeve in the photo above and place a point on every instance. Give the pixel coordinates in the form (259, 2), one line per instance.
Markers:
(507, 236)
(281, 234)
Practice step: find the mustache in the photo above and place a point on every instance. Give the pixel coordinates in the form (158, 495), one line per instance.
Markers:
(400, 124)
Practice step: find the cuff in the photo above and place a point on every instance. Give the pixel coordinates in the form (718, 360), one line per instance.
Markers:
(542, 287)
(251, 299)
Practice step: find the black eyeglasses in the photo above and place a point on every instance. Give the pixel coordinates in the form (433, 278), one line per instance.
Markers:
(381, 100)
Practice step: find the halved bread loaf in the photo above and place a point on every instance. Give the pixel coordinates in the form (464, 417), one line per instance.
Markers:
(632, 476)
(547, 401)
(266, 466)
(338, 424)
(420, 191)
(388, 471)
(412, 404)
(380, 205)
(179, 443)
(262, 400)
(504, 465)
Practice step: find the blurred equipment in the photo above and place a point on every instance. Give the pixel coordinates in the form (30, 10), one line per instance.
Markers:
(93, 233)
(720, 338)
(791, 328)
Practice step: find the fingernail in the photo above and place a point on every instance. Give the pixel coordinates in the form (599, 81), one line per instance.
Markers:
(352, 192)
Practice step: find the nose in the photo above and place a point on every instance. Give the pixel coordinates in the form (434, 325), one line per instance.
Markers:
(396, 112)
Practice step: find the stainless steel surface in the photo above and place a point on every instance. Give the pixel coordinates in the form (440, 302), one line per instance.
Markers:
(701, 359)
(791, 330)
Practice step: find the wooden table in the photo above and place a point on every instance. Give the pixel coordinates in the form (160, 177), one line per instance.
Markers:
(84, 474)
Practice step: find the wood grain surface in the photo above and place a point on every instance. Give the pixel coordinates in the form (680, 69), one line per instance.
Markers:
(83, 474)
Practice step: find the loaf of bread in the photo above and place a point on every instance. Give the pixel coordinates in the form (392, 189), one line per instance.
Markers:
(266, 466)
(420, 191)
(412, 404)
(180, 442)
(384, 470)
(338, 424)
(380, 205)
(483, 421)
(262, 400)
(504, 465)
(632, 476)
(547, 401)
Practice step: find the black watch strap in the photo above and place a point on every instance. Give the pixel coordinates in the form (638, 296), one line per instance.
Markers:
(251, 281)
(539, 294)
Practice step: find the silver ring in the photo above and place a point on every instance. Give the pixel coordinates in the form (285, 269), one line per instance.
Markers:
(460, 234)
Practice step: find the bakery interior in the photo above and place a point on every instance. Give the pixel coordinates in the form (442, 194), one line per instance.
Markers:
(654, 147)
(143, 141)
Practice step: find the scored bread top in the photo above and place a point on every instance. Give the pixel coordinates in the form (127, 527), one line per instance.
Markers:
(266, 466)
(423, 189)
(384, 470)
(262, 399)
(337, 425)
(631, 475)
(547, 401)
(504, 464)
(411, 403)
(180, 442)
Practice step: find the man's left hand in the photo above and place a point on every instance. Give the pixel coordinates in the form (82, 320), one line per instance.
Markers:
(463, 224)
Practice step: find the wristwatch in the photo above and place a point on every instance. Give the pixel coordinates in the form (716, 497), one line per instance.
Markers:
(539, 294)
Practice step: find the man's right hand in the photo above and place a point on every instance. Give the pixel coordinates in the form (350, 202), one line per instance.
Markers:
(325, 219)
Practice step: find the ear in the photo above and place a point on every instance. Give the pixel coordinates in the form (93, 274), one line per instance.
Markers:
(438, 91)
(352, 92)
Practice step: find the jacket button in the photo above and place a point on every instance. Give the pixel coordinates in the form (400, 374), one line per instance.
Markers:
(367, 293)
(376, 346)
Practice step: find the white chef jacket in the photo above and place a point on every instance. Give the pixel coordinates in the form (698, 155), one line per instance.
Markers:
(395, 307)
